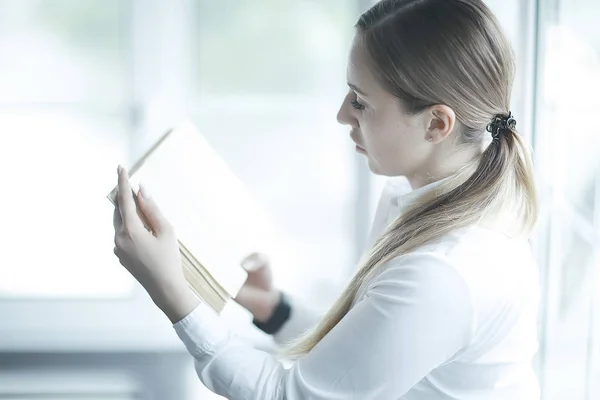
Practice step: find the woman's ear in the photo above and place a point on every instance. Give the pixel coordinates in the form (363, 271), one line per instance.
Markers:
(440, 123)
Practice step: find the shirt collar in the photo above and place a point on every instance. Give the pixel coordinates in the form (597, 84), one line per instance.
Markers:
(402, 201)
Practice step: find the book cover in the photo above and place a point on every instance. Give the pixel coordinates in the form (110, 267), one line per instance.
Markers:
(216, 220)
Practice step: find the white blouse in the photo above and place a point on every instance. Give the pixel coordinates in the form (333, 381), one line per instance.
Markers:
(456, 319)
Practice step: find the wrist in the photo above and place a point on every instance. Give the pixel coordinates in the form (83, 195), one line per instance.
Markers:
(267, 308)
(176, 301)
(279, 316)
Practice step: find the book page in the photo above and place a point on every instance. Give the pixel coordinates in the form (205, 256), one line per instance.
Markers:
(214, 216)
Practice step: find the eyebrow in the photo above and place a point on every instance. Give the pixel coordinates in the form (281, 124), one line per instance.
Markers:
(357, 90)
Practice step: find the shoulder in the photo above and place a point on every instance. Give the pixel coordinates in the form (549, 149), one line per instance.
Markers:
(478, 260)
(422, 279)
(423, 292)
(488, 260)
(485, 271)
(459, 253)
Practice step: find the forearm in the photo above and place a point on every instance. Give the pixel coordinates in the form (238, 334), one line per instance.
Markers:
(175, 299)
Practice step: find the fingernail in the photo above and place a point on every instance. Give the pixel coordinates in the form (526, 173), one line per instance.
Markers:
(144, 191)
(119, 169)
(249, 265)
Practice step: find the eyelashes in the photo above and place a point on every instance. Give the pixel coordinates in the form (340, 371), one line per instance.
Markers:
(357, 105)
(353, 98)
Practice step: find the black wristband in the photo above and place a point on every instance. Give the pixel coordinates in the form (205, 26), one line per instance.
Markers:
(279, 317)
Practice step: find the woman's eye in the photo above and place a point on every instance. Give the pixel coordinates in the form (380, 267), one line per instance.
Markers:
(357, 105)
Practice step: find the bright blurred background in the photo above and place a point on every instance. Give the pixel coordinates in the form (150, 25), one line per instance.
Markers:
(88, 84)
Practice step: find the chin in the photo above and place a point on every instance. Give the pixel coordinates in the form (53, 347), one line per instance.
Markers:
(377, 169)
(374, 167)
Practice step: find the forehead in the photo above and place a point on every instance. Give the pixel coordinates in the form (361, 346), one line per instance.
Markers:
(358, 71)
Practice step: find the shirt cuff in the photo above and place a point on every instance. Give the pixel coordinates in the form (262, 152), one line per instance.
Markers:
(202, 331)
(301, 319)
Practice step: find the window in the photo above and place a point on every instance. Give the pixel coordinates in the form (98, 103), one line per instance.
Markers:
(268, 79)
(64, 117)
(567, 147)
(93, 83)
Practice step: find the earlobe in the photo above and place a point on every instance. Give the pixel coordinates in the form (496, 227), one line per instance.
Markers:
(441, 123)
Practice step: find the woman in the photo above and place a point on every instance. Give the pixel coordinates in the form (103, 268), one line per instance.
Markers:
(444, 304)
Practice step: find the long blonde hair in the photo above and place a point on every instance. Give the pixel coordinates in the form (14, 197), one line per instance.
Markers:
(451, 52)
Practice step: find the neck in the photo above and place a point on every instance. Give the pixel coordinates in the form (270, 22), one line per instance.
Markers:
(442, 164)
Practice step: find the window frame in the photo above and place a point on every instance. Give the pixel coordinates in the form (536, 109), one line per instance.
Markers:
(116, 323)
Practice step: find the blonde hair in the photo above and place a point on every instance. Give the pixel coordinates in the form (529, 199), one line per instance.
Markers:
(451, 52)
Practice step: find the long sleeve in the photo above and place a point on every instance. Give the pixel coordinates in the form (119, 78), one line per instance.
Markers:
(302, 316)
(413, 317)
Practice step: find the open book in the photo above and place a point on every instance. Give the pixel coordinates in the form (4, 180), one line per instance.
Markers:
(216, 220)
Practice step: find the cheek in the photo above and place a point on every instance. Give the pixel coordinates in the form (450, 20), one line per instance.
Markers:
(393, 150)
(381, 138)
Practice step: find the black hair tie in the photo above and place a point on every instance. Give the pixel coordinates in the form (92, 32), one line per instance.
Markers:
(501, 123)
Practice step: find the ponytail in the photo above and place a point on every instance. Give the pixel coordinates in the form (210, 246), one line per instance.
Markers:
(478, 193)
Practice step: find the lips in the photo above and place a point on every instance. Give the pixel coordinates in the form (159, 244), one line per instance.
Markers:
(353, 136)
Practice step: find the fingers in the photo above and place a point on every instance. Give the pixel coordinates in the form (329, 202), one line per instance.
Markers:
(255, 261)
(125, 201)
(120, 256)
(117, 225)
(117, 221)
(259, 271)
(155, 218)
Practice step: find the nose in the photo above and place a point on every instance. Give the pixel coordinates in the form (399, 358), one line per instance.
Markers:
(344, 115)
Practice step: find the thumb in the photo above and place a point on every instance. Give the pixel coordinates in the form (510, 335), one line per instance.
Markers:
(153, 217)
(255, 261)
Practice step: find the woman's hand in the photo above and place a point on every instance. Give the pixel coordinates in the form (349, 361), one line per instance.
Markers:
(258, 295)
(146, 245)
